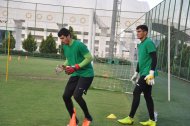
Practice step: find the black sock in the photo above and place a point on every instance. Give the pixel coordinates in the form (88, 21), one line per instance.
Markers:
(89, 117)
(84, 107)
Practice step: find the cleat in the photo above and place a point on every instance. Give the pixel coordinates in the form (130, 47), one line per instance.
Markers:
(148, 123)
(73, 121)
(128, 120)
(86, 122)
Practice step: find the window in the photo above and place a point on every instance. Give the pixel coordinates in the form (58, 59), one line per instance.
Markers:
(96, 49)
(85, 41)
(96, 42)
(107, 42)
(107, 49)
(97, 34)
(78, 32)
(85, 33)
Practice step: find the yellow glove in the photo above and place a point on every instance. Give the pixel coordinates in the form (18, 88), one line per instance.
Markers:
(150, 78)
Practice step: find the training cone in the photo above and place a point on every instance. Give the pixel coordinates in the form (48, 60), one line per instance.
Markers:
(18, 58)
(73, 119)
(111, 116)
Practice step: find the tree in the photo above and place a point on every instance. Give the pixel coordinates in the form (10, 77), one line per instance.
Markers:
(29, 44)
(12, 42)
(48, 45)
(73, 34)
(163, 50)
(183, 55)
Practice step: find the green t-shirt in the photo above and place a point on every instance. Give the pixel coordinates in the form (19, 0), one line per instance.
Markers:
(144, 49)
(74, 54)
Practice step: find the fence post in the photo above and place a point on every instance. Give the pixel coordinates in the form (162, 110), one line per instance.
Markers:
(169, 90)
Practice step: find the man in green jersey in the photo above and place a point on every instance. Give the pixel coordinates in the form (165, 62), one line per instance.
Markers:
(78, 65)
(146, 66)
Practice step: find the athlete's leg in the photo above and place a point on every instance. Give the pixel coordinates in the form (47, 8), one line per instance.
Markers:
(136, 97)
(82, 87)
(149, 101)
(68, 93)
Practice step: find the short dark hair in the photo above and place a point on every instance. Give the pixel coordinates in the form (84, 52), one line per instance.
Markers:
(64, 32)
(143, 27)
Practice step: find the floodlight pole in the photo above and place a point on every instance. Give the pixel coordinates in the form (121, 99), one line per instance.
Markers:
(113, 24)
(169, 86)
(93, 28)
(7, 25)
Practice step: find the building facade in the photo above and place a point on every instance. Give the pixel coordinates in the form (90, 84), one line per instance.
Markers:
(40, 20)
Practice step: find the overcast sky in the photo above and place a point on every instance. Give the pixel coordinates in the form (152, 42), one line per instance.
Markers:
(152, 3)
(127, 5)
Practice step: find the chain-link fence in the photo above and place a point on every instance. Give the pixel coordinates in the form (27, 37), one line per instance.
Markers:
(177, 13)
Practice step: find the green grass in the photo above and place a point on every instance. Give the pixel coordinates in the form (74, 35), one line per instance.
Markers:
(33, 96)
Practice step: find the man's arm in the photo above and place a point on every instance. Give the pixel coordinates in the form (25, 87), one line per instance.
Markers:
(135, 76)
(66, 63)
(137, 69)
(154, 60)
(87, 59)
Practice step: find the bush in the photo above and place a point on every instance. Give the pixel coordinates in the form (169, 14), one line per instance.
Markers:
(36, 54)
(29, 44)
(112, 61)
(73, 34)
(48, 45)
(12, 42)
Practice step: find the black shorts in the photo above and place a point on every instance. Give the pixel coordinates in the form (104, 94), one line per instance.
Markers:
(78, 85)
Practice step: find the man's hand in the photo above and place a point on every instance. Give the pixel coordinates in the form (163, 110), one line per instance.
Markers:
(150, 78)
(71, 69)
(134, 78)
(59, 69)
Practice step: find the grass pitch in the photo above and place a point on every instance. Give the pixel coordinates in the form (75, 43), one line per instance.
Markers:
(33, 97)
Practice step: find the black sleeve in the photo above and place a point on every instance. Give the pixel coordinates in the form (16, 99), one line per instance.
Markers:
(137, 69)
(154, 60)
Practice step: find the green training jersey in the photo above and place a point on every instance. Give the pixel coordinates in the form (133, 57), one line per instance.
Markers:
(144, 49)
(74, 54)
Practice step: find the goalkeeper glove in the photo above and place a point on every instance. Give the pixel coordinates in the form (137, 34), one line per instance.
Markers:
(59, 69)
(71, 69)
(150, 78)
(134, 78)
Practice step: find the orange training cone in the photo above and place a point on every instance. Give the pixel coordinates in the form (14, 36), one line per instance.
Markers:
(73, 119)
(18, 58)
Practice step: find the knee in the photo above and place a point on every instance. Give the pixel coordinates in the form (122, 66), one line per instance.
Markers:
(77, 97)
(147, 97)
(136, 94)
(65, 97)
